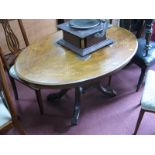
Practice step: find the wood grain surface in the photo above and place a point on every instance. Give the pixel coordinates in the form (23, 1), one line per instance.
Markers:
(48, 64)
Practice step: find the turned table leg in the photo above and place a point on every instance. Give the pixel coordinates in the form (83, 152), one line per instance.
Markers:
(76, 112)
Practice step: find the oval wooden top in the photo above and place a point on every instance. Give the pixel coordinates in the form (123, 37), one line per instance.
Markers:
(48, 64)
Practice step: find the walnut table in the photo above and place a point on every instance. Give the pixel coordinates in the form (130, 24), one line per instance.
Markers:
(48, 64)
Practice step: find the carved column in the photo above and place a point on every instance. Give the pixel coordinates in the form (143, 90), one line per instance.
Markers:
(148, 31)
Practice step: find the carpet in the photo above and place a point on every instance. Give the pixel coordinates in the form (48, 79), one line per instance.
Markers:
(100, 115)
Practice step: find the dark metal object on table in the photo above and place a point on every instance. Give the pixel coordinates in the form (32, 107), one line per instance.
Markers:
(85, 51)
(84, 23)
(84, 36)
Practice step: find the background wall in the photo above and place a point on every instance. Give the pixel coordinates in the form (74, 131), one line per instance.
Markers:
(38, 28)
(35, 29)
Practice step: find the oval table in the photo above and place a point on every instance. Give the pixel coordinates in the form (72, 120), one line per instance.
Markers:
(47, 64)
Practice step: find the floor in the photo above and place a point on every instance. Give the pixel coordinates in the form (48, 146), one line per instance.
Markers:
(100, 115)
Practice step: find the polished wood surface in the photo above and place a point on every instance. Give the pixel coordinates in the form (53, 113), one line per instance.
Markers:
(17, 31)
(48, 64)
(21, 25)
(9, 105)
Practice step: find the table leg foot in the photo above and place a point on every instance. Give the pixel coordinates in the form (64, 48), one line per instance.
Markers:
(76, 112)
(108, 91)
(75, 117)
(57, 96)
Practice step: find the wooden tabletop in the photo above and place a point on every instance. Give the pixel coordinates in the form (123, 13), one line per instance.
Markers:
(48, 64)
